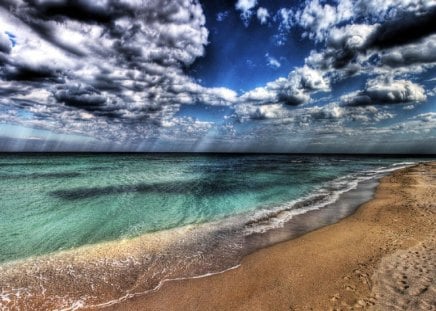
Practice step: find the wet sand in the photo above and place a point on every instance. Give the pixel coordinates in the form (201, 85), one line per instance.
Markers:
(382, 257)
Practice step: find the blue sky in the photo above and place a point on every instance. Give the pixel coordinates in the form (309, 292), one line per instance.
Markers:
(221, 76)
(252, 53)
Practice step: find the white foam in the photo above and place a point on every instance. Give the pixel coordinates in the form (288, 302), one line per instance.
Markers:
(268, 219)
(131, 295)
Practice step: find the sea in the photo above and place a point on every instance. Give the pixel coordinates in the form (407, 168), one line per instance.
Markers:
(91, 230)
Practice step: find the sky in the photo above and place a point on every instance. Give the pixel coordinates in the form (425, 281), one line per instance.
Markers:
(354, 76)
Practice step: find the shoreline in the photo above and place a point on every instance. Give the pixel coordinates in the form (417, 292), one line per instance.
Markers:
(330, 267)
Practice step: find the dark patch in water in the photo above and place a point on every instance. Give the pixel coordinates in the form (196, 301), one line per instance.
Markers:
(43, 175)
(201, 188)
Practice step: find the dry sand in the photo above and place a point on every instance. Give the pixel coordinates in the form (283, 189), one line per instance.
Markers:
(382, 257)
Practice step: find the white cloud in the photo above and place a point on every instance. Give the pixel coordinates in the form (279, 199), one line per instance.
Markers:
(382, 90)
(285, 17)
(272, 62)
(261, 94)
(383, 9)
(245, 5)
(285, 20)
(389, 90)
(353, 37)
(246, 8)
(246, 112)
(331, 111)
(309, 79)
(294, 90)
(262, 15)
(426, 117)
(221, 16)
(317, 19)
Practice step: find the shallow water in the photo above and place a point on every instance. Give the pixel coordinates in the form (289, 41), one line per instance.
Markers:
(55, 202)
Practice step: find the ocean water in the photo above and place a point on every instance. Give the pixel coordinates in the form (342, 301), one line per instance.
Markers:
(91, 230)
(56, 202)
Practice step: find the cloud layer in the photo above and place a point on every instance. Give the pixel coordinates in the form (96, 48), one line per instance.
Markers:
(116, 70)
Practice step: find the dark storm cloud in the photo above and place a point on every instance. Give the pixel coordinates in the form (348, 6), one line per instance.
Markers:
(347, 47)
(25, 72)
(406, 27)
(87, 11)
(421, 52)
(5, 43)
(80, 10)
(80, 96)
(10, 90)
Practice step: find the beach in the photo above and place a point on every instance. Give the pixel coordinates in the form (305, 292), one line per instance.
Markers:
(381, 257)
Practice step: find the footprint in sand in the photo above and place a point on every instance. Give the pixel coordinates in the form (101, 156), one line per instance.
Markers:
(405, 279)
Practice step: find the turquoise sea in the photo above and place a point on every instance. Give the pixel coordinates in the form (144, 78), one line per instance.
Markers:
(53, 202)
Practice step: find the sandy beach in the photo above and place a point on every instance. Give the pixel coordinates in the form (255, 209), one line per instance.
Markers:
(382, 257)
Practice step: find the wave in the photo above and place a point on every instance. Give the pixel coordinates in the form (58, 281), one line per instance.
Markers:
(276, 217)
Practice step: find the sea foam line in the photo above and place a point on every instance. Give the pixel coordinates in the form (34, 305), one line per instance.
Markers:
(80, 304)
(265, 220)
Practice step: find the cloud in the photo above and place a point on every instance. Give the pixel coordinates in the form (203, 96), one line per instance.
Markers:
(423, 51)
(245, 5)
(246, 8)
(5, 43)
(344, 43)
(426, 117)
(299, 85)
(335, 114)
(385, 90)
(329, 112)
(267, 94)
(413, 17)
(352, 37)
(247, 112)
(374, 34)
(221, 16)
(80, 96)
(309, 79)
(405, 28)
(116, 69)
(317, 19)
(272, 62)
(262, 15)
(285, 20)
(138, 87)
(294, 90)
(314, 121)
